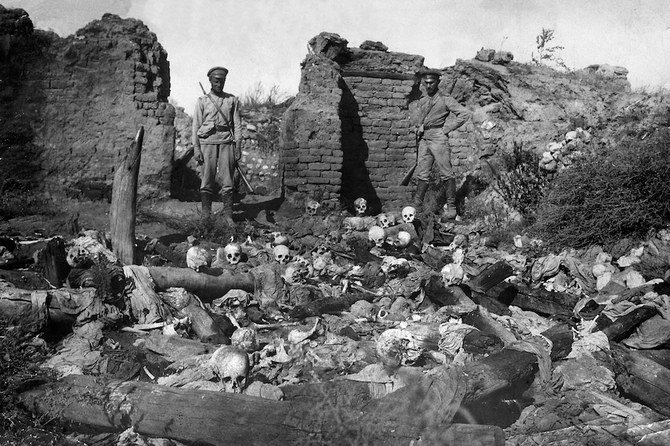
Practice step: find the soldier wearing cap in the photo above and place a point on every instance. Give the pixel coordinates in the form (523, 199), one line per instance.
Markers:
(436, 115)
(217, 137)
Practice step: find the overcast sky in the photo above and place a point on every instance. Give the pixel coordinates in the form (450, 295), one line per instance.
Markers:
(265, 40)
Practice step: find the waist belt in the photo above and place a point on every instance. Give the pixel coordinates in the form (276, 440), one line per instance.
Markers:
(222, 128)
(433, 126)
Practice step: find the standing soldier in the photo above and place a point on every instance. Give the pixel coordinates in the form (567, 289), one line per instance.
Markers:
(438, 115)
(217, 139)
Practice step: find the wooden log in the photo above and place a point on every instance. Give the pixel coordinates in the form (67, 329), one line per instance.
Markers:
(310, 415)
(660, 357)
(482, 320)
(328, 305)
(491, 276)
(642, 378)
(204, 286)
(52, 262)
(541, 301)
(218, 418)
(624, 325)
(18, 303)
(122, 211)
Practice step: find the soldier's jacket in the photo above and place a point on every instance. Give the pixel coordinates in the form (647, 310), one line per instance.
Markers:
(209, 127)
(440, 111)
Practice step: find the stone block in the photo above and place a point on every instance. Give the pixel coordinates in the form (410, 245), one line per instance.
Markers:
(374, 145)
(319, 166)
(377, 156)
(337, 160)
(310, 159)
(319, 151)
(319, 180)
(337, 181)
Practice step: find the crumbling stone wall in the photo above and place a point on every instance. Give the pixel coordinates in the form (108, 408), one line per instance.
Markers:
(83, 99)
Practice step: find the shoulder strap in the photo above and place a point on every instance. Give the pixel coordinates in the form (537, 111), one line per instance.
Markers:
(218, 109)
(432, 104)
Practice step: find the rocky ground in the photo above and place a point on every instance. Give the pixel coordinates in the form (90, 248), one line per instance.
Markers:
(333, 298)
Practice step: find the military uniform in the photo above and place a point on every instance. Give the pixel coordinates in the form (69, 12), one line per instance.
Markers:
(216, 137)
(437, 116)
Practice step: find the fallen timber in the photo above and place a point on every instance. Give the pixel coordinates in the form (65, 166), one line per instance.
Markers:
(221, 418)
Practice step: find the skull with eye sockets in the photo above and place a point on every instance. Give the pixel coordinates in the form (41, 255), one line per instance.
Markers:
(408, 214)
(402, 240)
(361, 206)
(377, 236)
(233, 253)
(281, 254)
(386, 220)
(312, 207)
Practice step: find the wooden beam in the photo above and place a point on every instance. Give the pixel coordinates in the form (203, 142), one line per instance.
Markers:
(122, 211)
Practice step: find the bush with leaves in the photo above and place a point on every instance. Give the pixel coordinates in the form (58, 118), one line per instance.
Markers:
(610, 195)
(521, 182)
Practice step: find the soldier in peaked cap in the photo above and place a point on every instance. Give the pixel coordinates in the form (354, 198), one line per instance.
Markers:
(217, 138)
(436, 115)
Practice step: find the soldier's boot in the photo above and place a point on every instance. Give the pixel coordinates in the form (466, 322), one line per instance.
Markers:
(206, 200)
(419, 194)
(227, 210)
(450, 191)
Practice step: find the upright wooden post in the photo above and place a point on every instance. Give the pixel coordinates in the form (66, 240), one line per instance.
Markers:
(124, 200)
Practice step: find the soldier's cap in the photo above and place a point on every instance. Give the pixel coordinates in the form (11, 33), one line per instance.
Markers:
(426, 72)
(217, 72)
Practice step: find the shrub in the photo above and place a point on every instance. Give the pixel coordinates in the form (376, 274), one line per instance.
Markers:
(522, 183)
(603, 197)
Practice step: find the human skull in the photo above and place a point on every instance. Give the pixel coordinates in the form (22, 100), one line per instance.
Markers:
(77, 256)
(198, 258)
(398, 347)
(279, 239)
(281, 254)
(355, 223)
(312, 207)
(320, 263)
(245, 338)
(452, 274)
(302, 261)
(361, 206)
(233, 253)
(403, 239)
(231, 365)
(408, 214)
(293, 274)
(376, 235)
(386, 220)
(333, 237)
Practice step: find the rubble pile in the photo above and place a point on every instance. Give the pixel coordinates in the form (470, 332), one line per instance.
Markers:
(390, 301)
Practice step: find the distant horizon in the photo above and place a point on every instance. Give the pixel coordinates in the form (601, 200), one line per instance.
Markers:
(266, 40)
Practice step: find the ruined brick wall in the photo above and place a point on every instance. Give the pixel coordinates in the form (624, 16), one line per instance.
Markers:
(347, 133)
(84, 98)
(377, 142)
(312, 154)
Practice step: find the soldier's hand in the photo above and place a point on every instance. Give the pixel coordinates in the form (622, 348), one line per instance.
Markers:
(237, 151)
(197, 156)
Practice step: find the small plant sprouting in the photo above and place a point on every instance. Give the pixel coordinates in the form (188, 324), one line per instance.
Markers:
(546, 54)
